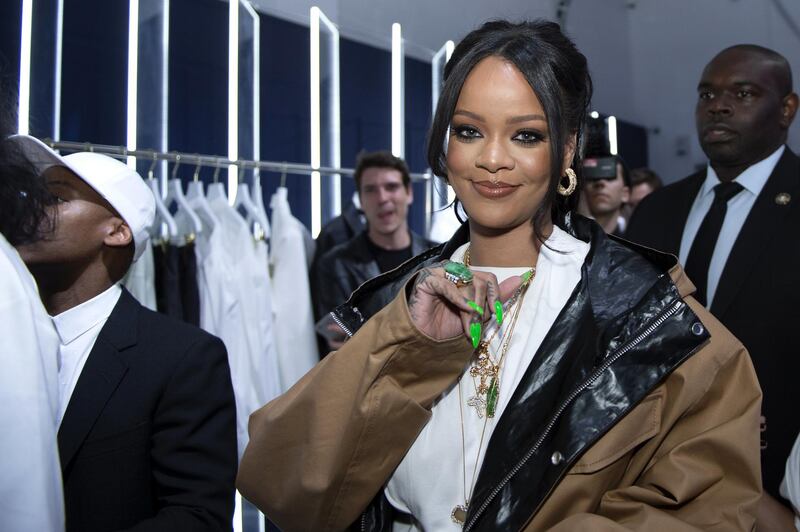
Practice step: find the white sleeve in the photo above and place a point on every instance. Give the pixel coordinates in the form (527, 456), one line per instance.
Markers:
(31, 495)
(790, 487)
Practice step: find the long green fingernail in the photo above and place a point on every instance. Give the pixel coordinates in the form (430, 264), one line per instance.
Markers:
(477, 308)
(526, 276)
(475, 334)
(498, 312)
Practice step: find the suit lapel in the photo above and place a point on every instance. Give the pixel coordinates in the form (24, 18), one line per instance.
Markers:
(758, 229)
(100, 377)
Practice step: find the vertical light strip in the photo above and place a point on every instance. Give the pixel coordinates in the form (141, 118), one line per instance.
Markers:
(57, 73)
(165, 84)
(233, 97)
(133, 76)
(398, 114)
(25, 68)
(256, 86)
(612, 134)
(316, 134)
(335, 118)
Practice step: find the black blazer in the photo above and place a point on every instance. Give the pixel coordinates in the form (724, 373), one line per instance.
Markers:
(758, 297)
(148, 440)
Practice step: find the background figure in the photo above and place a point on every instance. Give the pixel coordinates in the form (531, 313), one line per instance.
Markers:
(384, 189)
(31, 496)
(644, 181)
(606, 191)
(735, 224)
(147, 434)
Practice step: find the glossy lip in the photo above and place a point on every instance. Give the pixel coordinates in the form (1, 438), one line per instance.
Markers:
(491, 190)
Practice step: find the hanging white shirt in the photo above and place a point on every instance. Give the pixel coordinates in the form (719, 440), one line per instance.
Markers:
(31, 496)
(429, 482)
(753, 180)
(244, 326)
(141, 279)
(78, 329)
(292, 312)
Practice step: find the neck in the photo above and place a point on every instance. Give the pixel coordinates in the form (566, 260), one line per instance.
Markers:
(399, 239)
(731, 172)
(608, 221)
(62, 290)
(517, 247)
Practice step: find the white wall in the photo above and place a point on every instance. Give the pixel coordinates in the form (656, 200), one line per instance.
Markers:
(645, 56)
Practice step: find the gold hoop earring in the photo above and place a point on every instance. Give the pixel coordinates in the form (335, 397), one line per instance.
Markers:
(573, 183)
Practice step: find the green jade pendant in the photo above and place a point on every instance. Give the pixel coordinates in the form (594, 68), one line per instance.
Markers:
(491, 397)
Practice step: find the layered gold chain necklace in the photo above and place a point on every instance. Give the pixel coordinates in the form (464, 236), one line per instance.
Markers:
(485, 372)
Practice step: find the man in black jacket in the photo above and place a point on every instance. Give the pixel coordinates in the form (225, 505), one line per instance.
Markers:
(147, 435)
(384, 189)
(734, 226)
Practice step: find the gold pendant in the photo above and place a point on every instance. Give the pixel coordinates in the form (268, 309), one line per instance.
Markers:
(459, 514)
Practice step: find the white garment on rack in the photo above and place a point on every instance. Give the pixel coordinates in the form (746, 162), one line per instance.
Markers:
(141, 279)
(293, 316)
(245, 325)
(31, 496)
(214, 274)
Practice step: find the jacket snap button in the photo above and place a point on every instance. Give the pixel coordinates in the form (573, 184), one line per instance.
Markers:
(557, 458)
(697, 328)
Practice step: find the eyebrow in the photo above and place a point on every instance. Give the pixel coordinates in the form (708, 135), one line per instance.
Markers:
(60, 182)
(512, 120)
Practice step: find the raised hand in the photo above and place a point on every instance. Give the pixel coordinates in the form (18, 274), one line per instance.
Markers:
(441, 310)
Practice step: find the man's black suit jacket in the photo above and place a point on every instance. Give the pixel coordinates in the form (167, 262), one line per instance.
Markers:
(758, 296)
(148, 440)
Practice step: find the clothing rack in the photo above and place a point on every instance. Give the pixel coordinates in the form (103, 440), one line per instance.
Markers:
(200, 160)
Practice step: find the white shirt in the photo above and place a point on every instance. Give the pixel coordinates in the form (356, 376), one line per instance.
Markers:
(141, 279)
(241, 308)
(790, 487)
(753, 180)
(292, 312)
(429, 482)
(31, 496)
(78, 329)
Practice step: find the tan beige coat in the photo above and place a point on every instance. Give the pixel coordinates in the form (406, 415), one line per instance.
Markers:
(686, 458)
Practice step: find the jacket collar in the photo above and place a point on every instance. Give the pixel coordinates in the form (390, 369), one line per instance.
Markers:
(100, 377)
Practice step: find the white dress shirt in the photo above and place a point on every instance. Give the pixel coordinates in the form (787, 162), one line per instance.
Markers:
(790, 487)
(429, 482)
(78, 329)
(753, 180)
(292, 312)
(141, 279)
(243, 311)
(31, 496)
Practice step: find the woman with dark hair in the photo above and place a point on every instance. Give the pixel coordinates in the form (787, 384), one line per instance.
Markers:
(30, 487)
(592, 393)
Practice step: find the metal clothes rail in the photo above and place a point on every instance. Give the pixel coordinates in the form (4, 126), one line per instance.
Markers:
(214, 161)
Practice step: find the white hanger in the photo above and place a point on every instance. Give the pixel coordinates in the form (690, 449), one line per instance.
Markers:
(244, 200)
(216, 191)
(163, 218)
(188, 222)
(258, 199)
(194, 192)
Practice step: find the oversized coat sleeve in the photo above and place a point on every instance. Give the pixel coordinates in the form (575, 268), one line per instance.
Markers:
(315, 458)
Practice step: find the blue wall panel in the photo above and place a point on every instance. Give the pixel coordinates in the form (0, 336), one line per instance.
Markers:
(10, 27)
(94, 72)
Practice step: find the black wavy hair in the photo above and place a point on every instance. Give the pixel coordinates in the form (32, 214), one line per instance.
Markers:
(24, 197)
(558, 74)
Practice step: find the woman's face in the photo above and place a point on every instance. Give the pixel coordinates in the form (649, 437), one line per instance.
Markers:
(498, 153)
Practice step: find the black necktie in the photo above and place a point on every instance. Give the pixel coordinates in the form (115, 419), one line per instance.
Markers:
(706, 239)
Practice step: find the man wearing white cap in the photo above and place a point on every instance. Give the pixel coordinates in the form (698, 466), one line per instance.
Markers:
(147, 435)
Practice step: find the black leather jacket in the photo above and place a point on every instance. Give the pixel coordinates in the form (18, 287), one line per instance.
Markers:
(345, 267)
(624, 329)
